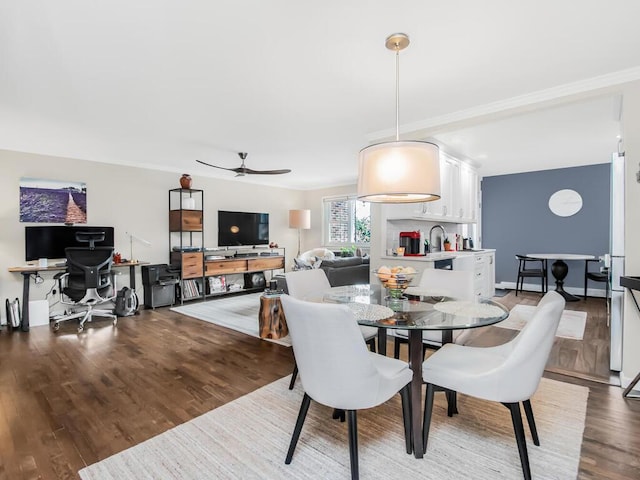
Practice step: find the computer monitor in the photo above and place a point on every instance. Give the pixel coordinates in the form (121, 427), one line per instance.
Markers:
(50, 241)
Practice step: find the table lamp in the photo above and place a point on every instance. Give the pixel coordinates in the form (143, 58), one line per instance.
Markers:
(300, 219)
(135, 237)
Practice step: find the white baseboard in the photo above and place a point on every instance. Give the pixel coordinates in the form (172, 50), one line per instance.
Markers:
(535, 287)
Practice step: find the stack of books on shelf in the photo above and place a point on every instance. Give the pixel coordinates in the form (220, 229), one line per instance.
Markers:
(217, 284)
(191, 289)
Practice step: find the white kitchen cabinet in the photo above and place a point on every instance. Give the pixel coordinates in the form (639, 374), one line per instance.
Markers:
(467, 208)
(449, 178)
(394, 211)
(482, 264)
(490, 275)
(458, 201)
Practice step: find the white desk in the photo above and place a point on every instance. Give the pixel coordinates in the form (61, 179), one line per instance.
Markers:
(559, 269)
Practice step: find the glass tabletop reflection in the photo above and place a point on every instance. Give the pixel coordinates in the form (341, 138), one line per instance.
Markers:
(418, 313)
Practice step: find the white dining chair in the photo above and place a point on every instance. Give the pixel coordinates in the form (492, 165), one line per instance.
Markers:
(454, 284)
(509, 373)
(312, 285)
(338, 371)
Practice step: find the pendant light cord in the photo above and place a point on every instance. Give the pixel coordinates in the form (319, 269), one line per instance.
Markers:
(397, 95)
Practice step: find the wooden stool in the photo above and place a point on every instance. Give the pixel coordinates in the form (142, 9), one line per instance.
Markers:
(272, 323)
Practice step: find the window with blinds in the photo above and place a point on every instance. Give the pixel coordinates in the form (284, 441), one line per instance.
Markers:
(347, 221)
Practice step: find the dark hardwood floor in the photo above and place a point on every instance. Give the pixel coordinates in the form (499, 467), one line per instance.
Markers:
(69, 400)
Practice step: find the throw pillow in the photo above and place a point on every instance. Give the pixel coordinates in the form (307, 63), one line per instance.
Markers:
(299, 264)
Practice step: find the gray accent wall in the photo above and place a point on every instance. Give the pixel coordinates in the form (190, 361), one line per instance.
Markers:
(516, 219)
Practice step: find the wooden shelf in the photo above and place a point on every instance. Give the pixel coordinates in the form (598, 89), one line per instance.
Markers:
(185, 220)
(242, 265)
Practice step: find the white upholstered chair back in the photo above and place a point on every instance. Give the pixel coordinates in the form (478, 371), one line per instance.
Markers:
(529, 351)
(458, 284)
(335, 366)
(307, 284)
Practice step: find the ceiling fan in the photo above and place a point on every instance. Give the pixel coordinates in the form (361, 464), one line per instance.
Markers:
(242, 170)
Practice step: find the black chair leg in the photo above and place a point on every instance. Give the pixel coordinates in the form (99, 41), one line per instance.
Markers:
(396, 347)
(406, 415)
(516, 418)
(372, 344)
(428, 410)
(293, 376)
(532, 423)
(302, 414)
(452, 402)
(352, 425)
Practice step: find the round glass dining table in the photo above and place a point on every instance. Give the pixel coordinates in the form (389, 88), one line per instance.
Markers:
(415, 316)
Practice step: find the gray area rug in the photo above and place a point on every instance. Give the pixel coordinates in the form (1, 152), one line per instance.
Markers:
(238, 312)
(572, 323)
(248, 439)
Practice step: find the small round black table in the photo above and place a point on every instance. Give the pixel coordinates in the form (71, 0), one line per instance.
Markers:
(559, 269)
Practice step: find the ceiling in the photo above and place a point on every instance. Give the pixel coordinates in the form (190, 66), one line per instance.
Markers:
(301, 85)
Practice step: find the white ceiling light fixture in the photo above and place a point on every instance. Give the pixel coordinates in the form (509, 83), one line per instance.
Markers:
(399, 171)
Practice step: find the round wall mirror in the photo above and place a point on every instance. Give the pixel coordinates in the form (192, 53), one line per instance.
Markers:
(565, 203)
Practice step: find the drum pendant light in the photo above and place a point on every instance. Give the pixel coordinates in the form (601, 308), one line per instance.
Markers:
(399, 171)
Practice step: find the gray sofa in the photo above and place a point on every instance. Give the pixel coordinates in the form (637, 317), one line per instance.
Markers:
(346, 270)
(340, 271)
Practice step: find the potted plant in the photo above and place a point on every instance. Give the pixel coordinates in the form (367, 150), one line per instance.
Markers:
(348, 251)
(447, 245)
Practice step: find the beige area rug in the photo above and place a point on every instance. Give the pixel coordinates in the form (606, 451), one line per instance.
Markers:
(248, 439)
(238, 312)
(571, 325)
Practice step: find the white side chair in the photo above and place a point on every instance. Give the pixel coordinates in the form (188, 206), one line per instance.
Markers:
(312, 284)
(338, 371)
(509, 373)
(456, 284)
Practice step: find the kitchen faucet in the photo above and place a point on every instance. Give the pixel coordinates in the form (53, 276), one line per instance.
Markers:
(444, 235)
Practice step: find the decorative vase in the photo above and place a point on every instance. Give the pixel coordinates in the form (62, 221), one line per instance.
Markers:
(185, 180)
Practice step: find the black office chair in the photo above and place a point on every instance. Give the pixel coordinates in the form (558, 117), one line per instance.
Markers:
(87, 281)
(530, 267)
(601, 275)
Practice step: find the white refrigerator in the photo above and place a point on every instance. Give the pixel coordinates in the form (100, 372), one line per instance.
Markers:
(617, 259)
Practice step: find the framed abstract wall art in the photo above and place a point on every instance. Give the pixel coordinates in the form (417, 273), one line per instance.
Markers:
(52, 201)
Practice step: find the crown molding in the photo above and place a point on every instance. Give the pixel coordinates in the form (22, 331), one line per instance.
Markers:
(550, 94)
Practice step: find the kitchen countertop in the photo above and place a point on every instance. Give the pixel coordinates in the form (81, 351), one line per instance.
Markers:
(432, 257)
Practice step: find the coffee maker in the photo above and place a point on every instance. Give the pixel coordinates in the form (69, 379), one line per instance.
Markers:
(411, 241)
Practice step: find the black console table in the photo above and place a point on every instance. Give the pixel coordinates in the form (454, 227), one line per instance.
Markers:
(631, 283)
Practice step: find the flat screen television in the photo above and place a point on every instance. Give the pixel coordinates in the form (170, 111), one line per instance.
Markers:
(50, 241)
(236, 229)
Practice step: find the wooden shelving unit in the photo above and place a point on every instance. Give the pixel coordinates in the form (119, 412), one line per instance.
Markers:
(186, 241)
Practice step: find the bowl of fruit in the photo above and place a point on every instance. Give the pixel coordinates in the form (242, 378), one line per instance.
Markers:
(395, 279)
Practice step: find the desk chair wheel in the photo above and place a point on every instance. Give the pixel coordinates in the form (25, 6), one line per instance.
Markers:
(115, 322)
(80, 328)
(56, 326)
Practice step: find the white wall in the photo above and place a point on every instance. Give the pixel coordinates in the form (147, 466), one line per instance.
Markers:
(131, 200)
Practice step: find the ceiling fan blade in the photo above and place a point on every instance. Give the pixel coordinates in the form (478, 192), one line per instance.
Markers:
(242, 170)
(215, 166)
(267, 172)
